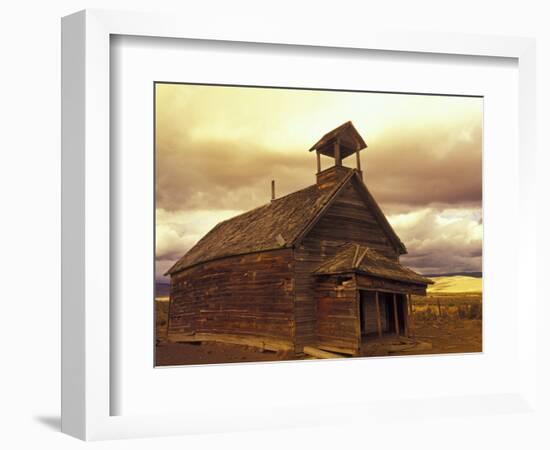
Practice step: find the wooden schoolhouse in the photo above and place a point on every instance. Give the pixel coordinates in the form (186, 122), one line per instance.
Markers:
(316, 268)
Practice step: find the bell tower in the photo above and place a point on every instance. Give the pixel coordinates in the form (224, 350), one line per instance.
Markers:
(339, 143)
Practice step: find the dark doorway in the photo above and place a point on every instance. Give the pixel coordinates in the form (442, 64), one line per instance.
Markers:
(391, 309)
(390, 312)
(368, 313)
(401, 311)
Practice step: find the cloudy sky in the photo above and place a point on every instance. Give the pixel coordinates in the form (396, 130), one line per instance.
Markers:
(218, 148)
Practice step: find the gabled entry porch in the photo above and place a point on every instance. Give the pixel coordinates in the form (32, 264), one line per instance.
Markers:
(363, 298)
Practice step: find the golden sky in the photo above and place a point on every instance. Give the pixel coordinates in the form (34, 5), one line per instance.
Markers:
(218, 148)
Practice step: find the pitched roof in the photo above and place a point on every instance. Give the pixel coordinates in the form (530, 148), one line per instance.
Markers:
(358, 258)
(381, 217)
(277, 224)
(350, 138)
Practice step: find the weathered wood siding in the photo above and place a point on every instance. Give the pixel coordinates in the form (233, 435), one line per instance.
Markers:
(347, 220)
(250, 296)
(338, 325)
(350, 220)
(383, 285)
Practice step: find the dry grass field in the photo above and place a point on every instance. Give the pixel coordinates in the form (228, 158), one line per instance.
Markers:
(450, 316)
(451, 322)
(457, 284)
(448, 320)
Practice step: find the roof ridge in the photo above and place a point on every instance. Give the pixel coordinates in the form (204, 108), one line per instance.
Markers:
(381, 217)
(286, 216)
(378, 265)
(292, 193)
(267, 204)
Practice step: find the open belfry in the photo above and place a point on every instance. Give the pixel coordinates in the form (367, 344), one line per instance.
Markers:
(318, 268)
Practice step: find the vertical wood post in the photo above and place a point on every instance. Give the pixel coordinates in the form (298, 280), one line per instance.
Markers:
(378, 320)
(272, 189)
(318, 161)
(395, 315)
(411, 312)
(358, 156)
(405, 309)
(337, 156)
(359, 321)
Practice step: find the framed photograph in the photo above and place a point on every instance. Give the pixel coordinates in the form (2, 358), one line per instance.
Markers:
(252, 216)
(249, 268)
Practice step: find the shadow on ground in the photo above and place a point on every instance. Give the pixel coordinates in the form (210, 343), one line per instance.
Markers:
(51, 422)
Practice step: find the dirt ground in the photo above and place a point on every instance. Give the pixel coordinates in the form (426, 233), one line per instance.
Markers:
(448, 336)
(458, 336)
(448, 324)
(174, 354)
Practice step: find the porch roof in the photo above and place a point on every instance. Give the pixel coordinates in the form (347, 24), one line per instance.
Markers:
(361, 259)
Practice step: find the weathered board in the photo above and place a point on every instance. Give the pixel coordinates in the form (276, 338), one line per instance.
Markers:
(337, 326)
(384, 285)
(250, 296)
(348, 219)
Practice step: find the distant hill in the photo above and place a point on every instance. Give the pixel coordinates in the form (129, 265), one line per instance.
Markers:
(456, 283)
(453, 274)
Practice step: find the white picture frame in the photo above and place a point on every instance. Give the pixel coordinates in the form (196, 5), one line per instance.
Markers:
(86, 244)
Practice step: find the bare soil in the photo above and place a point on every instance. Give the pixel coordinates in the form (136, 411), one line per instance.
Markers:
(451, 324)
(459, 336)
(184, 353)
(448, 336)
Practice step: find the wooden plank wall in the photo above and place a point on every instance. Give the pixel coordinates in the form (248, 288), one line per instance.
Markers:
(338, 326)
(347, 220)
(383, 285)
(250, 296)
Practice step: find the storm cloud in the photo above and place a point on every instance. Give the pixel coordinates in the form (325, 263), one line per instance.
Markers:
(217, 150)
(448, 239)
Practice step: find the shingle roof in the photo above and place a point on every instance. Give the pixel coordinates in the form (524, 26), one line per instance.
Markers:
(275, 225)
(358, 258)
